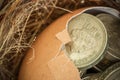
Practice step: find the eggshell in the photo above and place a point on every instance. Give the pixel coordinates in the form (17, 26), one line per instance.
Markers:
(46, 47)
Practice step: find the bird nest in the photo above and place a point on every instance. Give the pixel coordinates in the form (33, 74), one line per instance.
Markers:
(21, 21)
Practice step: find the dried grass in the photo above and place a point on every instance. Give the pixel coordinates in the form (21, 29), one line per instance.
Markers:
(18, 29)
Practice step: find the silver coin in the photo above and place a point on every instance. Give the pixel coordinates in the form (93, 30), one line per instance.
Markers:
(89, 40)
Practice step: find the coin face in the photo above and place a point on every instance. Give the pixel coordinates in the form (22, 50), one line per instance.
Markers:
(112, 73)
(112, 25)
(89, 39)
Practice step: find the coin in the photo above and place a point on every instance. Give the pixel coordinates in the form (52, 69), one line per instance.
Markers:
(89, 40)
(112, 73)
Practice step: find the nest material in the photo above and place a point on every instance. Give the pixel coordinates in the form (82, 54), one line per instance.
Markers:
(18, 28)
(21, 21)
